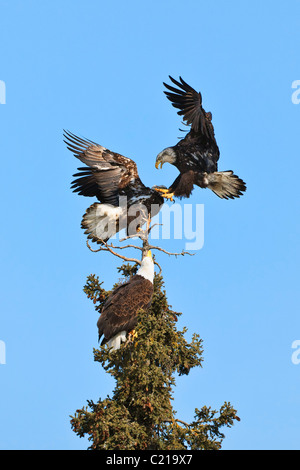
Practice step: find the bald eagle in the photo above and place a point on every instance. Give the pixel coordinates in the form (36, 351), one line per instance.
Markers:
(125, 202)
(196, 155)
(120, 311)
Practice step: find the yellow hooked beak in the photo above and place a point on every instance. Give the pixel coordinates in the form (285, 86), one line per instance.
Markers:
(158, 162)
(149, 254)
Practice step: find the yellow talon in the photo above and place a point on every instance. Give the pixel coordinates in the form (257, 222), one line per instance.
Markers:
(165, 193)
(131, 335)
(168, 196)
(161, 190)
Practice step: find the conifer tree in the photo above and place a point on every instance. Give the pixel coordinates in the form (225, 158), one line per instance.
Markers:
(140, 414)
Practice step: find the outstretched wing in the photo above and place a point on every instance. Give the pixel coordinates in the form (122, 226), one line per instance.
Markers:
(189, 103)
(106, 172)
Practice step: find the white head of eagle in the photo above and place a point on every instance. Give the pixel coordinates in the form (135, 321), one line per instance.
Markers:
(165, 156)
(147, 267)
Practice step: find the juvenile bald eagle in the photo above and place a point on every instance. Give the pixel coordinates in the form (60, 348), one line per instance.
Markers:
(196, 155)
(125, 202)
(120, 311)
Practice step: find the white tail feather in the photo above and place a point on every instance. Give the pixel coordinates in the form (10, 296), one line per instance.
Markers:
(101, 221)
(226, 184)
(115, 341)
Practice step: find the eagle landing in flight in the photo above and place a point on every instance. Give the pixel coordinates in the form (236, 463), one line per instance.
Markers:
(124, 201)
(196, 155)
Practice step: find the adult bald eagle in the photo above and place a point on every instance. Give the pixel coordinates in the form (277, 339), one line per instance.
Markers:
(125, 202)
(196, 155)
(120, 311)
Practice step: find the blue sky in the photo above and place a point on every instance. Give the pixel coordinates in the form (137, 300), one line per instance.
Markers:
(97, 69)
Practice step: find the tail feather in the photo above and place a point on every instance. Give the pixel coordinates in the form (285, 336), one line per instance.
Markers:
(226, 184)
(101, 222)
(116, 341)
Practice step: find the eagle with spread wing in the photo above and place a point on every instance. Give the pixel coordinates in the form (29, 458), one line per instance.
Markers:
(196, 155)
(124, 201)
(119, 313)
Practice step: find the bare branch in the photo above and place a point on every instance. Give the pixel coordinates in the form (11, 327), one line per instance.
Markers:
(108, 248)
(125, 246)
(137, 235)
(159, 266)
(152, 226)
(153, 247)
(148, 223)
(90, 248)
(144, 236)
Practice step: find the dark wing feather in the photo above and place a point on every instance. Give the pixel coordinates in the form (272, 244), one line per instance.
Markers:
(102, 184)
(183, 184)
(105, 173)
(189, 102)
(92, 154)
(120, 309)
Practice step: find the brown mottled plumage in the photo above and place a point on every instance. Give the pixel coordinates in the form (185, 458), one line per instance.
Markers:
(120, 311)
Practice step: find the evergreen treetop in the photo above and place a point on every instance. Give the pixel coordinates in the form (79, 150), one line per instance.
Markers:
(140, 415)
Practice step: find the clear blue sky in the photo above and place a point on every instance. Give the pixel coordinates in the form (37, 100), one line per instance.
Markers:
(97, 68)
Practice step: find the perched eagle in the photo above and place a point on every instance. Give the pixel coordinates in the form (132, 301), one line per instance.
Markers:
(125, 202)
(119, 313)
(196, 155)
